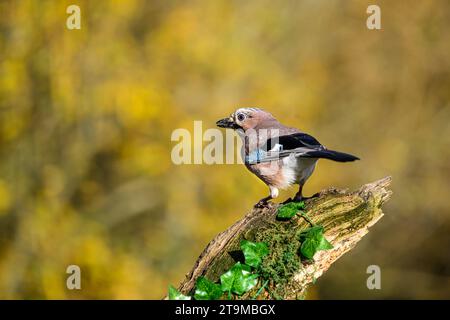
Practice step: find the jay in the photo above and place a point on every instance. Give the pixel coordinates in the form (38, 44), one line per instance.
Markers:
(278, 155)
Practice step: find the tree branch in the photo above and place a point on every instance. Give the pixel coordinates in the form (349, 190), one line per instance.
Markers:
(345, 216)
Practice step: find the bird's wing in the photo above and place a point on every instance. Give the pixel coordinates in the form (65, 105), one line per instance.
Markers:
(293, 141)
(297, 144)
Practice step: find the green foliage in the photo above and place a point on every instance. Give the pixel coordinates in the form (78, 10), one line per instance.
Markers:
(275, 257)
(207, 290)
(313, 240)
(283, 260)
(239, 279)
(290, 209)
(174, 294)
(254, 252)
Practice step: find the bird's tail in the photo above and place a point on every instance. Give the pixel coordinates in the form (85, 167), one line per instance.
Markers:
(331, 155)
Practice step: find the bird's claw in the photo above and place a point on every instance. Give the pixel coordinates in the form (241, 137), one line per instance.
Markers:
(262, 204)
(303, 198)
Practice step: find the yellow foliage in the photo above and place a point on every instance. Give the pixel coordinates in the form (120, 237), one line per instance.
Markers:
(5, 198)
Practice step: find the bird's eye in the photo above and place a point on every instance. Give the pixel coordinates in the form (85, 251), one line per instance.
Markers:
(241, 117)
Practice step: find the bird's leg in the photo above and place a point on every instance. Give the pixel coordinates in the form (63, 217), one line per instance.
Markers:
(264, 201)
(298, 196)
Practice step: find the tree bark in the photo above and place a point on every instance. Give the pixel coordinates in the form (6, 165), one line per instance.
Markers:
(346, 217)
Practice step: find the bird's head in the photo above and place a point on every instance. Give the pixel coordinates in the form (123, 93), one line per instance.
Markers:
(245, 118)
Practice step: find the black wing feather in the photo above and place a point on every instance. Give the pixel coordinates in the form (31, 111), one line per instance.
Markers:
(293, 141)
(331, 155)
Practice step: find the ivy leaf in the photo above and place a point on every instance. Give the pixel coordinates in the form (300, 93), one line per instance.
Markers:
(174, 294)
(290, 209)
(238, 279)
(254, 252)
(313, 240)
(247, 283)
(207, 290)
(233, 275)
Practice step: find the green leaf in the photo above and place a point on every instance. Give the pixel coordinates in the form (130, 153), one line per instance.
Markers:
(207, 290)
(238, 279)
(308, 248)
(290, 209)
(254, 252)
(248, 282)
(324, 244)
(313, 240)
(174, 294)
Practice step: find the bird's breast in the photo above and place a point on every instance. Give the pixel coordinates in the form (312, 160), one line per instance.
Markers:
(300, 168)
(284, 172)
(269, 172)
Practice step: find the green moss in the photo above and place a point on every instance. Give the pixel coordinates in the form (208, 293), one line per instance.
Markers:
(283, 260)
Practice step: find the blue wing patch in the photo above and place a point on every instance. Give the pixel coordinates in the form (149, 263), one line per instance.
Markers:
(256, 156)
(259, 155)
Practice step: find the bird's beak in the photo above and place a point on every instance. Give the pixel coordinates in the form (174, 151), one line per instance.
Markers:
(227, 123)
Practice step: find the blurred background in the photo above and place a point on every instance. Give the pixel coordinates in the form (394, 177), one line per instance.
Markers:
(86, 117)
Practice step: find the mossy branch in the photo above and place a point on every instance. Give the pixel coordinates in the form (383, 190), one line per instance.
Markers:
(345, 216)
